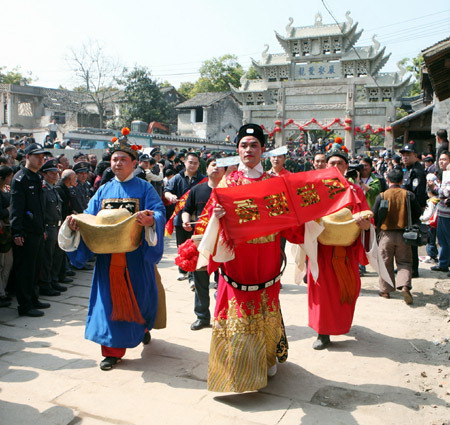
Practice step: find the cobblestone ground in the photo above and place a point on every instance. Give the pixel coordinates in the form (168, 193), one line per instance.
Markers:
(392, 368)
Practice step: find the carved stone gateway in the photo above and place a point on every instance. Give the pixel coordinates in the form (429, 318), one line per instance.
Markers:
(322, 75)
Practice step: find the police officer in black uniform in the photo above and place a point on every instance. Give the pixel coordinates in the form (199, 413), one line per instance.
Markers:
(414, 180)
(83, 188)
(28, 228)
(48, 280)
(144, 164)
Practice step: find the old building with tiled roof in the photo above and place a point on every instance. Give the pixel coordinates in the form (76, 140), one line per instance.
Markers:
(213, 115)
(27, 110)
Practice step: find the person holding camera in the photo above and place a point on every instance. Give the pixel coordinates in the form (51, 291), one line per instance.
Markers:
(368, 181)
(391, 244)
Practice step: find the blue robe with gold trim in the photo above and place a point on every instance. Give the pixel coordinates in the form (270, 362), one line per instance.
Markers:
(135, 195)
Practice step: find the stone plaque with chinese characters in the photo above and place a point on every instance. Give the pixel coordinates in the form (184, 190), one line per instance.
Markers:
(315, 70)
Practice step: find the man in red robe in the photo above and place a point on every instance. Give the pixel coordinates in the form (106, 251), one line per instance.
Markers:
(328, 314)
(248, 332)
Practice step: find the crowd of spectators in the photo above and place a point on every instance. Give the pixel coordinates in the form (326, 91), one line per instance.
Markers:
(38, 190)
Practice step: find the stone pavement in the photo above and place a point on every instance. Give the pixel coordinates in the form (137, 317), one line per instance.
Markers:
(392, 368)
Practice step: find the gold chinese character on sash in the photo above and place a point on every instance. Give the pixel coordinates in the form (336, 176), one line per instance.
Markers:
(308, 194)
(246, 210)
(334, 186)
(277, 204)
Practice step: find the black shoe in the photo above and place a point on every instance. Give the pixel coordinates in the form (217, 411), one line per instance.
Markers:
(147, 338)
(40, 305)
(65, 280)
(5, 303)
(439, 269)
(199, 324)
(70, 273)
(31, 313)
(87, 267)
(322, 341)
(48, 291)
(108, 362)
(57, 287)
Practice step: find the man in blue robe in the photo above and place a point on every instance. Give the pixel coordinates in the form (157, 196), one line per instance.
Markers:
(138, 196)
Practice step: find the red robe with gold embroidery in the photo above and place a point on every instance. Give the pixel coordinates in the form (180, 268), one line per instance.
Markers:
(248, 333)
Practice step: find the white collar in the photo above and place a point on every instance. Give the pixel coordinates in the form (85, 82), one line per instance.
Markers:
(252, 173)
(125, 180)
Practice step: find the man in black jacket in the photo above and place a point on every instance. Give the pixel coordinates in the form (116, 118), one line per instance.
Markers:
(27, 228)
(64, 188)
(414, 180)
(48, 285)
(175, 189)
(442, 141)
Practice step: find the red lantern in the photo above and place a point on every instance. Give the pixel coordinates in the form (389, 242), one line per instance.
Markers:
(348, 121)
(301, 128)
(313, 120)
(325, 128)
(277, 129)
(289, 122)
(358, 129)
(125, 131)
(114, 139)
(389, 128)
(367, 126)
(348, 127)
(277, 122)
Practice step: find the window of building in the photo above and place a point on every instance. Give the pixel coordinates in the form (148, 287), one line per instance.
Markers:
(198, 115)
(60, 117)
(24, 109)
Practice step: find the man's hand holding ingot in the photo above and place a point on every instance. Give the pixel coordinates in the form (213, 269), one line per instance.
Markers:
(145, 218)
(363, 222)
(219, 211)
(71, 222)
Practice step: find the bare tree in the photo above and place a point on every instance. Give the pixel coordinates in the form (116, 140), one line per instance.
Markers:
(96, 73)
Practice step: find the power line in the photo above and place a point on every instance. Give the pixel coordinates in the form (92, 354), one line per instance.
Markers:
(444, 24)
(409, 20)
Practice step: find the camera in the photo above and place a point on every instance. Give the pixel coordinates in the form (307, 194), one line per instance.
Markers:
(353, 171)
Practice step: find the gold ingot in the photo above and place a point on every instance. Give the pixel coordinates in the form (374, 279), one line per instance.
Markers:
(111, 231)
(341, 228)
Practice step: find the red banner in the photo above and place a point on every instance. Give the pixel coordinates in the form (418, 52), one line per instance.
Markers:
(272, 205)
(178, 207)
